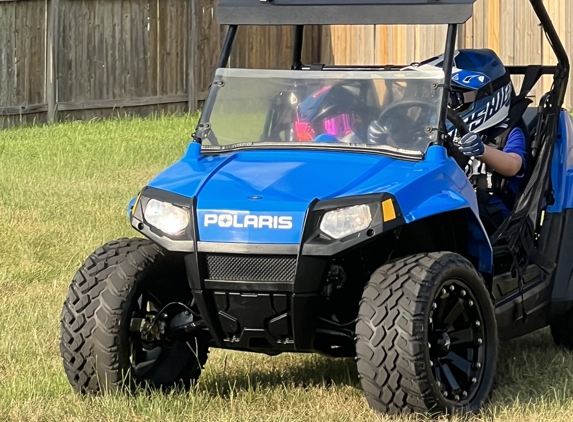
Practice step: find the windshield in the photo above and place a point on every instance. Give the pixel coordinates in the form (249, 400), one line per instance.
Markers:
(390, 111)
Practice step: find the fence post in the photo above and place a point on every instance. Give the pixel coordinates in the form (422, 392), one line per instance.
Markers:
(52, 60)
(192, 55)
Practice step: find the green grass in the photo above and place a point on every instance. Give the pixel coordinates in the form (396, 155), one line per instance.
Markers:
(64, 191)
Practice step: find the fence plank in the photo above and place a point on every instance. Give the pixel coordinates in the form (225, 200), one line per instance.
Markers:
(120, 103)
(547, 53)
(208, 44)
(23, 110)
(507, 32)
(326, 54)
(468, 42)
(479, 24)
(12, 54)
(312, 52)
(192, 56)
(492, 23)
(51, 61)
(526, 42)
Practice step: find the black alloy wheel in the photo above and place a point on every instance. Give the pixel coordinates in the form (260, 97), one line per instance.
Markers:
(427, 336)
(456, 342)
(158, 362)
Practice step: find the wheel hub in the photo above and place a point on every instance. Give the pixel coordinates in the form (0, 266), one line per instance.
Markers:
(443, 342)
(161, 335)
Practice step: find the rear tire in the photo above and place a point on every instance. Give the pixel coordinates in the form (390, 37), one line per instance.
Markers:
(562, 330)
(98, 349)
(426, 336)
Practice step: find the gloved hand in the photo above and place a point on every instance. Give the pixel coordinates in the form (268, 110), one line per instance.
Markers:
(471, 145)
(377, 134)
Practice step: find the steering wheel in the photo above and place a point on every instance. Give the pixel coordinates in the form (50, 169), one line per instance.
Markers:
(458, 122)
(394, 125)
(463, 130)
(394, 122)
(452, 116)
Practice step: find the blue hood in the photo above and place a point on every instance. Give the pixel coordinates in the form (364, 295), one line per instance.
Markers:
(262, 196)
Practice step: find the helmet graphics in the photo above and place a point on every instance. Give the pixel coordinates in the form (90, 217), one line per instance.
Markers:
(482, 90)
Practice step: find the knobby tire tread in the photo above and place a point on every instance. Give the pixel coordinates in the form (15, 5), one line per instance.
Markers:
(92, 314)
(390, 333)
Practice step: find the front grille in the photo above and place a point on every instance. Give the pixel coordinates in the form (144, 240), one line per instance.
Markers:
(228, 267)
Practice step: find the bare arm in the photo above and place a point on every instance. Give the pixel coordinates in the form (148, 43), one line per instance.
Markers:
(505, 163)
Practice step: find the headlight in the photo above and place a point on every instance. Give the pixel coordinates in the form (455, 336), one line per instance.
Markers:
(346, 221)
(166, 217)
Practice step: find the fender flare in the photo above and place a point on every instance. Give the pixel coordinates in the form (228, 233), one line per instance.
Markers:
(446, 201)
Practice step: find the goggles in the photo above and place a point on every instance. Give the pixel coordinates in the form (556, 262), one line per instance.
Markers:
(338, 126)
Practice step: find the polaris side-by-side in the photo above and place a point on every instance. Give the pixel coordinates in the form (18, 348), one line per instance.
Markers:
(327, 209)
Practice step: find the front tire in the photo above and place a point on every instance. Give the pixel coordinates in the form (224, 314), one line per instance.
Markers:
(98, 348)
(426, 336)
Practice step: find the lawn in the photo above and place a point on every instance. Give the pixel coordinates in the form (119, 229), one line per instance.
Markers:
(64, 191)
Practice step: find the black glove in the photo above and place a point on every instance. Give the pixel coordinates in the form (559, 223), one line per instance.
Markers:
(377, 134)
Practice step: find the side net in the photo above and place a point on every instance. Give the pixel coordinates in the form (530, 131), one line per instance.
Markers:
(519, 232)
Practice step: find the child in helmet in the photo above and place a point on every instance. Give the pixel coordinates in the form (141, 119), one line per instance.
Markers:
(334, 113)
(482, 94)
(506, 166)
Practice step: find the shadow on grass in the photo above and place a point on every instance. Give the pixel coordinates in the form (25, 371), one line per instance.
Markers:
(318, 371)
(530, 370)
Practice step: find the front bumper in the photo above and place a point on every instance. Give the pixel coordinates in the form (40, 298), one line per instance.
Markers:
(259, 297)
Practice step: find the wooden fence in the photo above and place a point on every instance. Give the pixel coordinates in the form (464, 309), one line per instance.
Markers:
(63, 59)
(81, 58)
(509, 27)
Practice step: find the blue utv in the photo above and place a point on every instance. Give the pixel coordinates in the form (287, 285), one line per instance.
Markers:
(327, 209)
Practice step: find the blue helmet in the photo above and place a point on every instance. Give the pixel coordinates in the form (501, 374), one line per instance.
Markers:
(482, 91)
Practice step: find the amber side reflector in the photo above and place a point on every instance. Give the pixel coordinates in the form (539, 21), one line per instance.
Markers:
(135, 204)
(388, 210)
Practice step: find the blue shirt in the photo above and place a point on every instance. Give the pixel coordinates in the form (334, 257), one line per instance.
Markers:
(515, 144)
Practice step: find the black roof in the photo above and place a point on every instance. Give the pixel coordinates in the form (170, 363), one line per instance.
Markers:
(343, 12)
